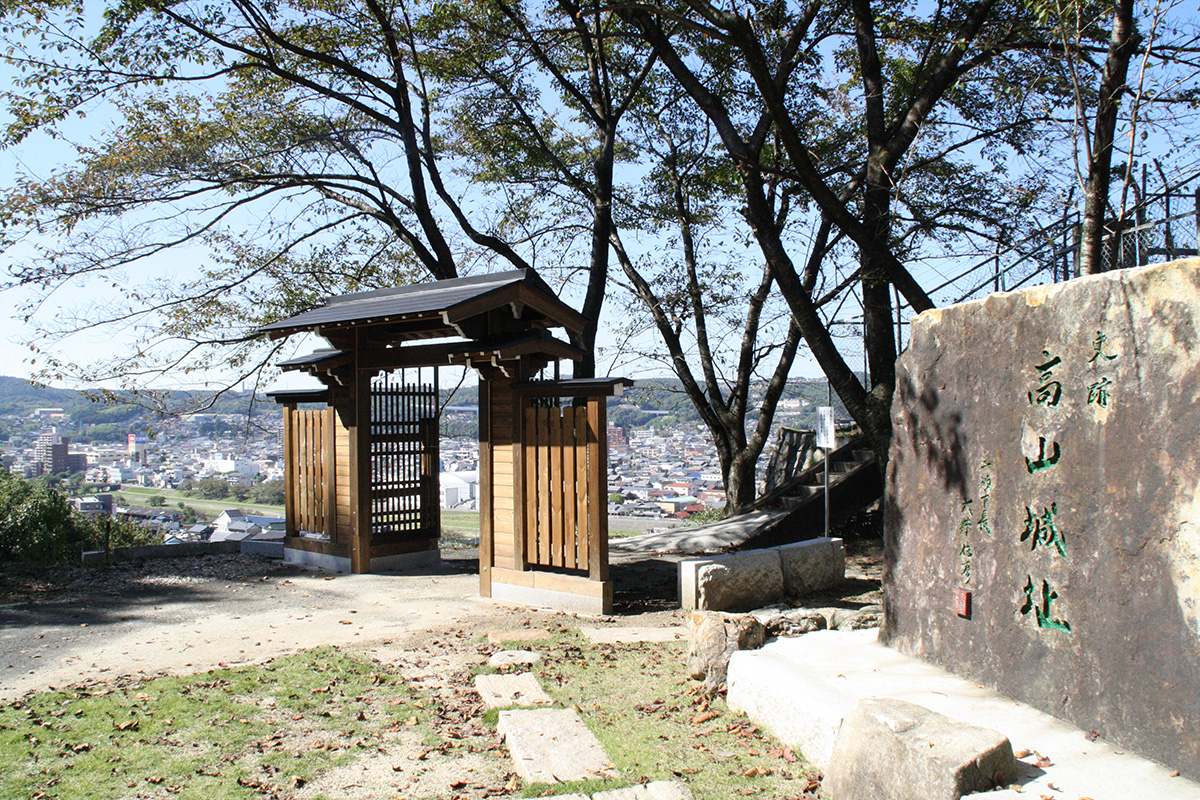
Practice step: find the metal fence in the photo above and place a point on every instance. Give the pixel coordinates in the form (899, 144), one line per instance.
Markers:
(1164, 227)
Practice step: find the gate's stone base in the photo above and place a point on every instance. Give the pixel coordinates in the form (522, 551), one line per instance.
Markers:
(400, 562)
(551, 590)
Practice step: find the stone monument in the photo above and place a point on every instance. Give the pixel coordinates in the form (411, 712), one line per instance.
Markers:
(1043, 502)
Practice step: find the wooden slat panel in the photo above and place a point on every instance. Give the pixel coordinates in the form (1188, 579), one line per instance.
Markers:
(545, 540)
(529, 510)
(570, 489)
(581, 477)
(554, 489)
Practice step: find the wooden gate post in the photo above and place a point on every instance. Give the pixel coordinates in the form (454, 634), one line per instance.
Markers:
(597, 488)
(289, 470)
(360, 474)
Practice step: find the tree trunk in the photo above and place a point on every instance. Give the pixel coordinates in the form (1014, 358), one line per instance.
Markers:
(740, 489)
(1121, 48)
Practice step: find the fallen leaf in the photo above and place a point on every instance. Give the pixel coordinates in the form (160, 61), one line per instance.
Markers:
(1023, 753)
(704, 717)
(127, 725)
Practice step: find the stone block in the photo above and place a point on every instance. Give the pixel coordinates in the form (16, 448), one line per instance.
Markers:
(713, 637)
(552, 745)
(634, 634)
(731, 582)
(812, 566)
(1044, 460)
(893, 750)
(797, 621)
(800, 709)
(508, 658)
(506, 691)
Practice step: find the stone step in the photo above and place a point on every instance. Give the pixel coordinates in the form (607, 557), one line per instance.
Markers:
(802, 688)
(552, 745)
(506, 691)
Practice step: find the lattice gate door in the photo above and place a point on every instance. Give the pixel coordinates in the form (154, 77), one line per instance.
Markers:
(405, 458)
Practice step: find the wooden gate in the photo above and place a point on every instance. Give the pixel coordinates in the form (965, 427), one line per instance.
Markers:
(405, 504)
(564, 490)
(309, 465)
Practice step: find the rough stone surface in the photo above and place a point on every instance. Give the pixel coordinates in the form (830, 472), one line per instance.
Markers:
(812, 565)
(731, 582)
(845, 619)
(507, 658)
(782, 620)
(506, 691)
(713, 637)
(795, 621)
(552, 745)
(893, 750)
(1044, 459)
(518, 635)
(655, 790)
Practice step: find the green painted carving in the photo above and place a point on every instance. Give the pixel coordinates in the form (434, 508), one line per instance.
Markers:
(1098, 348)
(1041, 611)
(1098, 393)
(1042, 531)
(1050, 392)
(1043, 461)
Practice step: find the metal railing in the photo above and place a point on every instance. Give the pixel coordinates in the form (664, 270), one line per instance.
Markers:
(1164, 227)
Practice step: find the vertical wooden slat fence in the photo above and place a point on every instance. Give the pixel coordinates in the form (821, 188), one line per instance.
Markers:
(562, 508)
(309, 445)
(404, 461)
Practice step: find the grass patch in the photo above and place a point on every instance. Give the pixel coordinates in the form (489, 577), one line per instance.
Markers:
(140, 495)
(241, 732)
(654, 725)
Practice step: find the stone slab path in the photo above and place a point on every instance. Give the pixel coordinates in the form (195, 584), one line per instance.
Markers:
(506, 691)
(552, 745)
(632, 635)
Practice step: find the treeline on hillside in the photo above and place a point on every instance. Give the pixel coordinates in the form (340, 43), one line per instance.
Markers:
(38, 524)
(657, 402)
(109, 419)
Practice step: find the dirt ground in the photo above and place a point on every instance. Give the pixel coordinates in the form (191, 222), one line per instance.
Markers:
(76, 626)
(61, 625)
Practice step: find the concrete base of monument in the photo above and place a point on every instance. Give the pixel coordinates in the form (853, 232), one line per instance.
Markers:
(802, 687)
(400, 562)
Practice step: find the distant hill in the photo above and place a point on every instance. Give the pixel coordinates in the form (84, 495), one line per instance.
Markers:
(18, 395)
(111, 420)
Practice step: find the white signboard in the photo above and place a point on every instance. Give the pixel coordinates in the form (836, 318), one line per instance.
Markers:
(826, 433)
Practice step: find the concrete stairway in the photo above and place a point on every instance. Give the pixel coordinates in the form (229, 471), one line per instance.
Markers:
(855, 484)
(793, 511)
